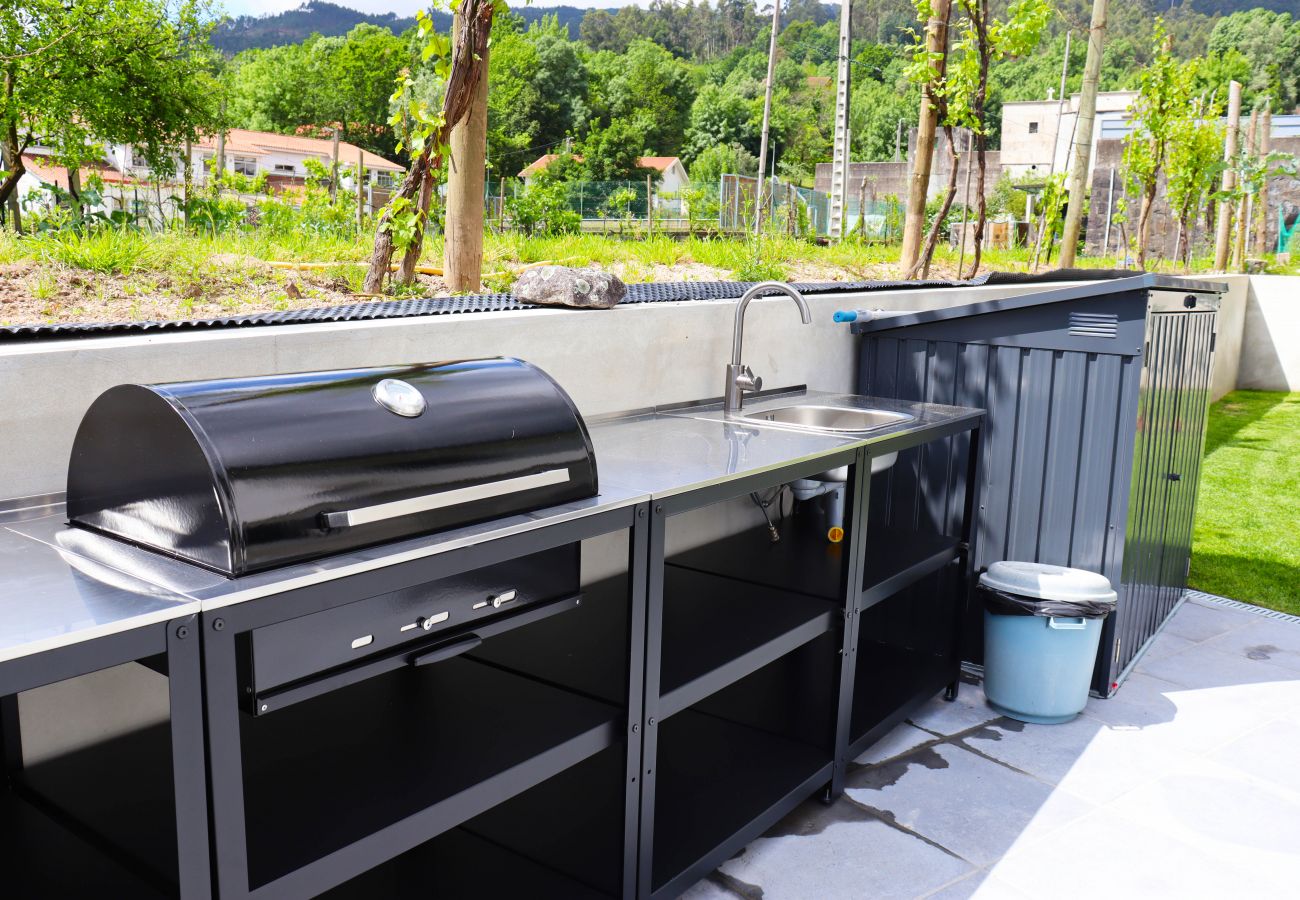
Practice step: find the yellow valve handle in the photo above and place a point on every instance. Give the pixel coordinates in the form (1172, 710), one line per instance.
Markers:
(835, 534)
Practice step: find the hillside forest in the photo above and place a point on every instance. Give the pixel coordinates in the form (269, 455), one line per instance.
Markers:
(686, 79)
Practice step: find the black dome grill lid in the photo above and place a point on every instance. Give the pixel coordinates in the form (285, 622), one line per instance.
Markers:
(246, 474)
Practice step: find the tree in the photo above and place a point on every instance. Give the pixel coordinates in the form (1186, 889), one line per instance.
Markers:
(719, 115)
(323, 82)
(722, 159)
(138, 72)
(648, 82)
(1271, 42)
(462, 61)
(1194, 160)
(613, 153)
(983, 39)
(1157, 115)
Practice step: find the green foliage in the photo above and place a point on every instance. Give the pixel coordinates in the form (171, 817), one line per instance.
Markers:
(118, 71)
(648, 85)
(1195, 159)
(321, 83)
(105, 249)
(612, 153)
(758, 266)
(722, 159)
(543, 207)
(1270, 43)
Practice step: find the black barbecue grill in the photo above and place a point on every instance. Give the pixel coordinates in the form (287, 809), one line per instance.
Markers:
(246, 474)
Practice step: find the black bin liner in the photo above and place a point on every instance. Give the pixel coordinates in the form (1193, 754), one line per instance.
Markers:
(1004, 604)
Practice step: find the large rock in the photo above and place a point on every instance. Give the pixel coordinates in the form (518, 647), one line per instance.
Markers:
(565, 286)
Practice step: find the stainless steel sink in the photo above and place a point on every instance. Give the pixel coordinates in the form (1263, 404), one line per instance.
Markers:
(835, 419)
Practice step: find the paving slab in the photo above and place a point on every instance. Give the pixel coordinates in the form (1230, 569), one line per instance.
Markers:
(941, 717)
(979, 886)
(1208, 808)
(1265, 640)
(1086, 757)
(841, 851)
(903, 738)
(1271, 751)
(1165, 644)
(1105, 854)
(1197, 621)
(973, 806)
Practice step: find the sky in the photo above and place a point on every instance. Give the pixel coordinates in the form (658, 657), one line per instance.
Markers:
(400, 7)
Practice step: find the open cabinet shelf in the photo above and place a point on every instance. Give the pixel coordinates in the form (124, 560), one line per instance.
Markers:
(427, 748)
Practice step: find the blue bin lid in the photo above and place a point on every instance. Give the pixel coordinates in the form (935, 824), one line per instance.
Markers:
(1047, 582)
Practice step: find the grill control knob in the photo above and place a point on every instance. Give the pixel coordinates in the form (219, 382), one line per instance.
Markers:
(502, 599)
(427, 622)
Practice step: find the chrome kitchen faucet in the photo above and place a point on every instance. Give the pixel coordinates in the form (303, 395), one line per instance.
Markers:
(739, 377)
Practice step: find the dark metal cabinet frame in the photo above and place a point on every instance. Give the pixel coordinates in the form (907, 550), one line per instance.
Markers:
(179, 640)
(223, 705)
(855, 597)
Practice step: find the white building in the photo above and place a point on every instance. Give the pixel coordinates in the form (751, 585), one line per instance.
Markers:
(1037, 134)
(672, 174)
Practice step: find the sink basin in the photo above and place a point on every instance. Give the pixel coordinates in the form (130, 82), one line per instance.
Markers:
(834, 419)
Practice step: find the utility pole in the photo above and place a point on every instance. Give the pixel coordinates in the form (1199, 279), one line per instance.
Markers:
(767, 115)
(1082, 143)
(1056, 141)
(1223, 227)
(918, 182)
(841, 139)
(898, 141)
(361, 197)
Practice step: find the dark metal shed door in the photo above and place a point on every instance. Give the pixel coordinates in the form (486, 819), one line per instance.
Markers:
(1170, 436)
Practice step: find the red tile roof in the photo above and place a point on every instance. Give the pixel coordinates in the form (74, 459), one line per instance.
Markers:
(658, 163)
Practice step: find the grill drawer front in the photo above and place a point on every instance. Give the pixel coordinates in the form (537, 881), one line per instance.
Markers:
(408, 621)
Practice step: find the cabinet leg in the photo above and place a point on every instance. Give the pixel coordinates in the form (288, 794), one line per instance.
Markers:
(950, 692)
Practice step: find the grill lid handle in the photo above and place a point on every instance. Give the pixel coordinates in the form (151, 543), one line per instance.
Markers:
(447, 650)
(442, 499)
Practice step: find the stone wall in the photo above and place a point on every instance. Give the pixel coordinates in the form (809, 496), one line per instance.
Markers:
(1107, 187)
(890, 178)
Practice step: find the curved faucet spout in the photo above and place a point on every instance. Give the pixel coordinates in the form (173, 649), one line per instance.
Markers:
(737, 334)
(739, 377)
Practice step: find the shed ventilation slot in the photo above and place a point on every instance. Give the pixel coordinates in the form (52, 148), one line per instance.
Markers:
(1094, 325)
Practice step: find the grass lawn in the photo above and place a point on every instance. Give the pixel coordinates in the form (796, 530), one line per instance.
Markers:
(1247, 539)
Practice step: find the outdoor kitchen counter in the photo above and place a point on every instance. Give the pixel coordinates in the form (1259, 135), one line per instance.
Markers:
(62, 585)
(673, 451)
(50, 598)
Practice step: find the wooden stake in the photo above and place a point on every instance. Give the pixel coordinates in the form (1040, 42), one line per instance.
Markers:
(1083, 123)
(1223, 229)
(918, 182)
(189, 177)
(1264, 141)
(361, 196)
(1243, 208)
(463, 245)
(334, 169)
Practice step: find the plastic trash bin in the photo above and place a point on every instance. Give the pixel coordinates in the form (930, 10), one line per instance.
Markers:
(1042, 625)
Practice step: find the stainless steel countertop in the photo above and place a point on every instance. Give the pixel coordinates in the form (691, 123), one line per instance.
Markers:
(688, 448)
(61, 585)
(51, 598)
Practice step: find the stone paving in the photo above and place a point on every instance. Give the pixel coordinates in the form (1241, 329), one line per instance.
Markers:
(1185, 784)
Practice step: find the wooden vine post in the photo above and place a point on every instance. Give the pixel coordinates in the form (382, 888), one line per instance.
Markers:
(463, 244)
(406, 213)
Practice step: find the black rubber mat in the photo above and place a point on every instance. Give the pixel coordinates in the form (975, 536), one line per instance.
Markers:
(666, 292)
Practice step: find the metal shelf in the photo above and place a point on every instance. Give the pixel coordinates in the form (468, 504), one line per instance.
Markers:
(45, 859)
(336, 785)
(720, 785)
(459, 865)
(896, 560)
(802, 561)
(717, 630)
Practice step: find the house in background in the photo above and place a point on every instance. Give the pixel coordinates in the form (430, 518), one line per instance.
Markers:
(672, 174)
(1037, 134)
(281, 156)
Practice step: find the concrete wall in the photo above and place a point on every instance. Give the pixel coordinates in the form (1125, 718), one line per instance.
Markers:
(890, 178)
(1270, 345)
(629, 357)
